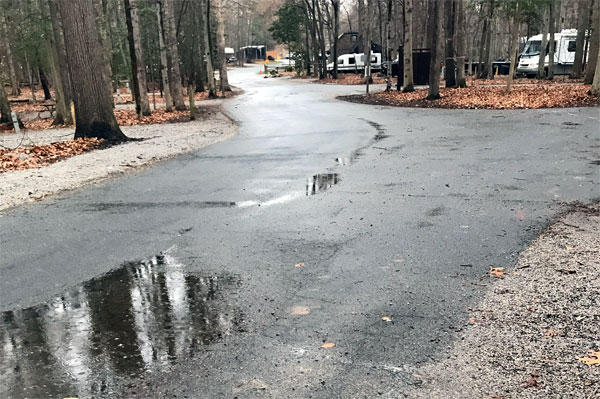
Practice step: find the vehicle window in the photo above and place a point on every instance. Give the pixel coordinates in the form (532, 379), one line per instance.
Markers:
(340, 61)
(572, 46)
(351, 61)
(532, 48)
(374, 59)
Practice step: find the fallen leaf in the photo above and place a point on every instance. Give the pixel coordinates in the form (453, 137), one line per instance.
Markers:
(328, 345)
(532, 381)
(592, 358)
(399, 260)
(386, 318)
(551, 333)
(300, 311)
(497, 271)
(300, 264)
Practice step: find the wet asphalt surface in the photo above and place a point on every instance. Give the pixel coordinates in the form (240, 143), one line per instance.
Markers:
(223, 272)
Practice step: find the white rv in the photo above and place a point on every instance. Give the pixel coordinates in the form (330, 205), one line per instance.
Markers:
(356, 62)
(564, 53)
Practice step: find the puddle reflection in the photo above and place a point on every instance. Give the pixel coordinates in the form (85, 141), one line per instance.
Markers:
(321, 182)
(133, 321)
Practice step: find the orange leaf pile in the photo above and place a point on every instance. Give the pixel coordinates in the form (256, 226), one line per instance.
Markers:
(497, 271)
(352, 79)
(489, 97)
(37, 156)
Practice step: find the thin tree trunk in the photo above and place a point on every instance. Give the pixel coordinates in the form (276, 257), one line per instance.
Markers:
(336, 28)
(5, 109)
(541, 74)
(595, 90)
(191, 94)
(450, 60)
(435, 25)
(221, 60)
(174, 74)
(210, 72)
(14, 81)
(594, 44)
(514, 45)
(93, 106)
(552, 28)
(388, 53)
(60, 69)
(138, 69)
(164, 75)
(30, 76)
(461, 44)
(368, 48)
(45, 84)
(407, 49)
(488, 70)
(583, 19)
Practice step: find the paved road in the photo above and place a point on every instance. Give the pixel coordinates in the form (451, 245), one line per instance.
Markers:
(232, 266)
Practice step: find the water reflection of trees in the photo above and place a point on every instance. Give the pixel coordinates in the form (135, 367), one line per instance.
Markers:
(321, 182)
(134, 320)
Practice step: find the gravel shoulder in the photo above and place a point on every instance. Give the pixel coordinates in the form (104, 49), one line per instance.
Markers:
(526, 338)
(160, 142)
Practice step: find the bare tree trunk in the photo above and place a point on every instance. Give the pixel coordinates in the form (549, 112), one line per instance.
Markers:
(583, 20)
(552, 28)
(5, 109)
(388, 54)
(488, 70)
(169, 30)
(407, 48)
(164, 74)
(210, 73)
(138, 69)
(62, 80)
(595, 90)
(514, 45)
(368, 48)
(435, 34)
(14, 81)
(594, 44)
(30, 76)
(450, 60)
(336, 28)
(105, 42)
(541, 74)
(93, 107)
(461, 44)
(220, 14)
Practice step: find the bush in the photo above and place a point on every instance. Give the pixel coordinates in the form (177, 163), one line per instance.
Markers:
(273, 72)
(289, 69)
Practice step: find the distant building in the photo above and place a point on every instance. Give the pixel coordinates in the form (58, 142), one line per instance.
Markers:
(252, 53)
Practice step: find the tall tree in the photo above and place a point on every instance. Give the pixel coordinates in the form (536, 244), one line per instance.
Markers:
(514, 43)
(14, 82)
(450, 60)
(210, 72)
(583, 20)
(63, 70)
(93, 107)
(435, 35)
(164, 67)
(222, 61)
(105, 42)
(595, 89)
(336, 32)
(552, 27)
(488, 71)
(138, 68)
(407, 48)
(461, 43)
(542, 59)
(594, 44)
(4, 104)
(169, 30)
(367, 52)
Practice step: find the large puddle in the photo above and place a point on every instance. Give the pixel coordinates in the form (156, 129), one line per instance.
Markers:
(112, 330)
(321, 182)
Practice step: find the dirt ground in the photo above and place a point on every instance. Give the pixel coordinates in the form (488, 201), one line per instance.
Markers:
(488, 97)
(160, 141)
(536, 334)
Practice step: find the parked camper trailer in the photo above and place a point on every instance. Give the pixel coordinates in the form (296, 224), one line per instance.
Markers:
(564, 53)
(356, 62)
